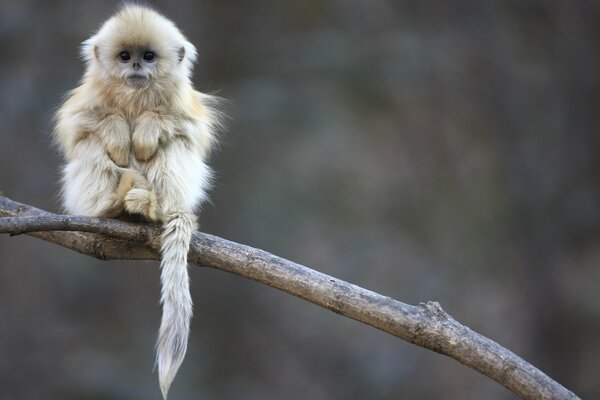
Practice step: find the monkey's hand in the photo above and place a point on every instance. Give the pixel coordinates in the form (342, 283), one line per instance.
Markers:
(114, 132)
(137, 195)
(150, 129)
(118, 150)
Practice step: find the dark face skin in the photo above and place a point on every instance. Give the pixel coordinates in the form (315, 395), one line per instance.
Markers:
(137, 65)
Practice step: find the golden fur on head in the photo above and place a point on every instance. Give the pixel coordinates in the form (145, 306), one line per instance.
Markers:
(136, 26)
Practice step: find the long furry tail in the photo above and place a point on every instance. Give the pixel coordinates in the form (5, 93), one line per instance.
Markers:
(175, 297)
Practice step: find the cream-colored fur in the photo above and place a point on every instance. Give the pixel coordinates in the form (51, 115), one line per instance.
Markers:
(140, 149)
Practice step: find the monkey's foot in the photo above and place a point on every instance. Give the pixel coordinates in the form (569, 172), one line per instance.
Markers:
(136, 195)
(143, 202)
(131, 179)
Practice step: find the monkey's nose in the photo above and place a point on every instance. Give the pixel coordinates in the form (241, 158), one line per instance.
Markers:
(136, 66)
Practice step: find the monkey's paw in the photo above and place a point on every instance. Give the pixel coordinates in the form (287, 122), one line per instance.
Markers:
(119, 152)
(143, 202)
(144, 147)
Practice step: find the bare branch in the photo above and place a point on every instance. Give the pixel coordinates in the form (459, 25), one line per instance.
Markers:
(426, 325)
(53, 222)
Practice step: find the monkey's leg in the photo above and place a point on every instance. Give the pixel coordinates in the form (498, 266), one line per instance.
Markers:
(180, 177)
(90, 181)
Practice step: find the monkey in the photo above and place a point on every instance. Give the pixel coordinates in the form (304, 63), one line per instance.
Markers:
(135, 136)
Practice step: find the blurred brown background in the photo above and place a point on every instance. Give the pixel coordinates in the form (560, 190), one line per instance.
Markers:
(427, 150)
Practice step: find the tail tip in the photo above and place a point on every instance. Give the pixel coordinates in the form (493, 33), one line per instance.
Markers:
(165, 379)
(164, 388)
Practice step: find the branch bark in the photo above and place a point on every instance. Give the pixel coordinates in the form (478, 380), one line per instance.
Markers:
(426, 325)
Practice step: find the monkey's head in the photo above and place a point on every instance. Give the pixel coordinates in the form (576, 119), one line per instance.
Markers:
(138, 47)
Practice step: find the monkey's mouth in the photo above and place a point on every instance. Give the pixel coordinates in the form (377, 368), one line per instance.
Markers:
(137, 79)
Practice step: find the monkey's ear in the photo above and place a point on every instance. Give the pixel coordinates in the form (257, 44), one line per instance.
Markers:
(89, 50)
(187, 52)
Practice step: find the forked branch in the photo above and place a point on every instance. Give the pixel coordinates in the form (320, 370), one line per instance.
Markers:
(426, 325)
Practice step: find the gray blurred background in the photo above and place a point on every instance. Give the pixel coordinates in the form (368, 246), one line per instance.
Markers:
(427, 150)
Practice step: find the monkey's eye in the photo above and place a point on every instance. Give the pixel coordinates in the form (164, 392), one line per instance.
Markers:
(149, 56)
(124, 56)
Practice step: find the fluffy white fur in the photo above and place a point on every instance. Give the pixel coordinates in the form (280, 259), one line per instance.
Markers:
(141, 149)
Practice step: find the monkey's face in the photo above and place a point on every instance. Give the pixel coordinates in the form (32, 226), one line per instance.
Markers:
(139, 48)
(137, 65)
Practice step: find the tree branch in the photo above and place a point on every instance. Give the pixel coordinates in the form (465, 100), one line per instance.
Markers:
(426, 325)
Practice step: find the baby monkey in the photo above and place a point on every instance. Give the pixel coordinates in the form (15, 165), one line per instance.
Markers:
(135, 136)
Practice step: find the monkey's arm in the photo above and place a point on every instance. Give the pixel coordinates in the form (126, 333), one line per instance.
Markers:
(113, 131)
(76, 120)
(190, 117)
